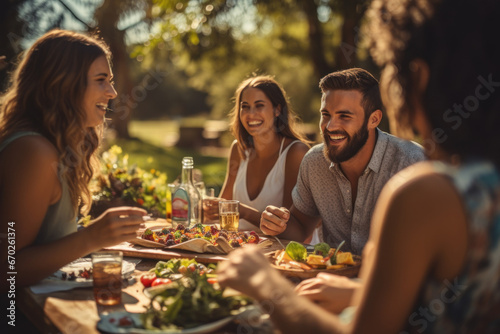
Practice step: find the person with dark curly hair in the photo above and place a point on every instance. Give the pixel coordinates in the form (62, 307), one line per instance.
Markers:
(51, 121)
(432, 263)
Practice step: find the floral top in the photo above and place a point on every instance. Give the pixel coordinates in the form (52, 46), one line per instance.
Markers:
(471, 302)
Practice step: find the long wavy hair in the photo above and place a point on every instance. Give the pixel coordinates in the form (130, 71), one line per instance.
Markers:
(46, 96)
(285, 124)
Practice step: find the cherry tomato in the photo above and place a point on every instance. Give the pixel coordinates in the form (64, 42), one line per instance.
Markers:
(161, 281)
(212, 280)
(192, 267)
(147, 279)
(182, 269)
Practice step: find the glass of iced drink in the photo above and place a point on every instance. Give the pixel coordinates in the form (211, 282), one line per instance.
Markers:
(107, 275)
(229, 215)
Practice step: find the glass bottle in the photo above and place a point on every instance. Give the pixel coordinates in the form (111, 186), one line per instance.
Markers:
(186, 201)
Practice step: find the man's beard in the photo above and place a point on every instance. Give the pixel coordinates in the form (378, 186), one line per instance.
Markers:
(352, 147)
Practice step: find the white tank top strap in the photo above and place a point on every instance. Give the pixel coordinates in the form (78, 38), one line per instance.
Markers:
(286, 149)
(282, 143)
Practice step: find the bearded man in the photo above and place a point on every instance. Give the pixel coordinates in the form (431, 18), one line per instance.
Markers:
(340, 180)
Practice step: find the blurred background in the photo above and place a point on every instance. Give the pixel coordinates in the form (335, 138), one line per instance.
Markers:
(177, 64)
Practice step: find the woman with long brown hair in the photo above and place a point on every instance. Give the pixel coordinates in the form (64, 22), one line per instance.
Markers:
(51, 122)
(265, 157)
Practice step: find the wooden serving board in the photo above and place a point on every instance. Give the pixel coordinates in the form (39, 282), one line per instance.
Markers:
(132, 250)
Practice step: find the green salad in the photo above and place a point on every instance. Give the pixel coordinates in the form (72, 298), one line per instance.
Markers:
(189, 302)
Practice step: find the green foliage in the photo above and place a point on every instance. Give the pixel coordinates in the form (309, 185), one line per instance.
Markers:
(165, 269)
(168, 160)
(119, 180)
(189, 302)
(322, 249)
(217, 44)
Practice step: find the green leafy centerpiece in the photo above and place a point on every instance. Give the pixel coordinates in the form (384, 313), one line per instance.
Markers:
(120, 184)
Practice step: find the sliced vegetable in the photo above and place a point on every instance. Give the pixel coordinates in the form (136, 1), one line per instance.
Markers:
(299, 265)
(161, 281)
(147, 279)
(334, 257)
(296, 251)
(321, 249)
(212, 280)
(315, 260)
(345, 258)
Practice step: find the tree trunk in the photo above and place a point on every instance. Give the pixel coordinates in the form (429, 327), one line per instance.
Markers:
(316, 46)
(347, 52)
(107, 17)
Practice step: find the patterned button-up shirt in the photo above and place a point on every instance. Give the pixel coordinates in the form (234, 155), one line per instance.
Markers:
(322, 190)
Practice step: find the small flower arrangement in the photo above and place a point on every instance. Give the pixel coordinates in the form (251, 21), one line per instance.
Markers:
(121, 184)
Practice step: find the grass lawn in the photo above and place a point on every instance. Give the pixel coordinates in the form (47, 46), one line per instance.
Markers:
(148, 151)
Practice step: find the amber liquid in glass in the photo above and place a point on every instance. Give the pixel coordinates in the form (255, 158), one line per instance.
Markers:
(229, 221)
(107, 282)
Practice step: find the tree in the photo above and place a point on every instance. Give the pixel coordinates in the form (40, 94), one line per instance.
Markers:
(41, 16)
(211, 45)
(107, 16)
(217, 43)
(14, 30)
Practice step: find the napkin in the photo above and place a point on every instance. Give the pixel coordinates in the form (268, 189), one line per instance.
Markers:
(55, 282)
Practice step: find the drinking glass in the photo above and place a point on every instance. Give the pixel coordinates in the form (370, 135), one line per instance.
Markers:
(107, 274)
(229, 215)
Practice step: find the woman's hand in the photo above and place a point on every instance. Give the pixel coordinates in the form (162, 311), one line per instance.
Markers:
(116, 225)
(273, 220)
(331, 292)
(248, 271)
(211, 208)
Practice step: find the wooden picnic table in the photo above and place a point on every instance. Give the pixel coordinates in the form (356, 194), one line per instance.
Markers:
(75, 311)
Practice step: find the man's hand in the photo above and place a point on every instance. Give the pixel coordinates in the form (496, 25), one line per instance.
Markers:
(273, 220)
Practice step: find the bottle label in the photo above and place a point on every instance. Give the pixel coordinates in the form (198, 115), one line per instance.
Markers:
(180, 205)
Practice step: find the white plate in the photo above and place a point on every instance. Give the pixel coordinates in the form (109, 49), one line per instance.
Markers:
(111, 326)
(86, 263)
(55, 282)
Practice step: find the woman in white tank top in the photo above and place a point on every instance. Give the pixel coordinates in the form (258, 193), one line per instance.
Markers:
(265, 157)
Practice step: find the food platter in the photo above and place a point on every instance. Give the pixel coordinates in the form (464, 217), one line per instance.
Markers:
(198, 245)
(347, 271)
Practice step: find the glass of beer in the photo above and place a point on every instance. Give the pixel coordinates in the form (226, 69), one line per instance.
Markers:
(229, 215)
(107, 274)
